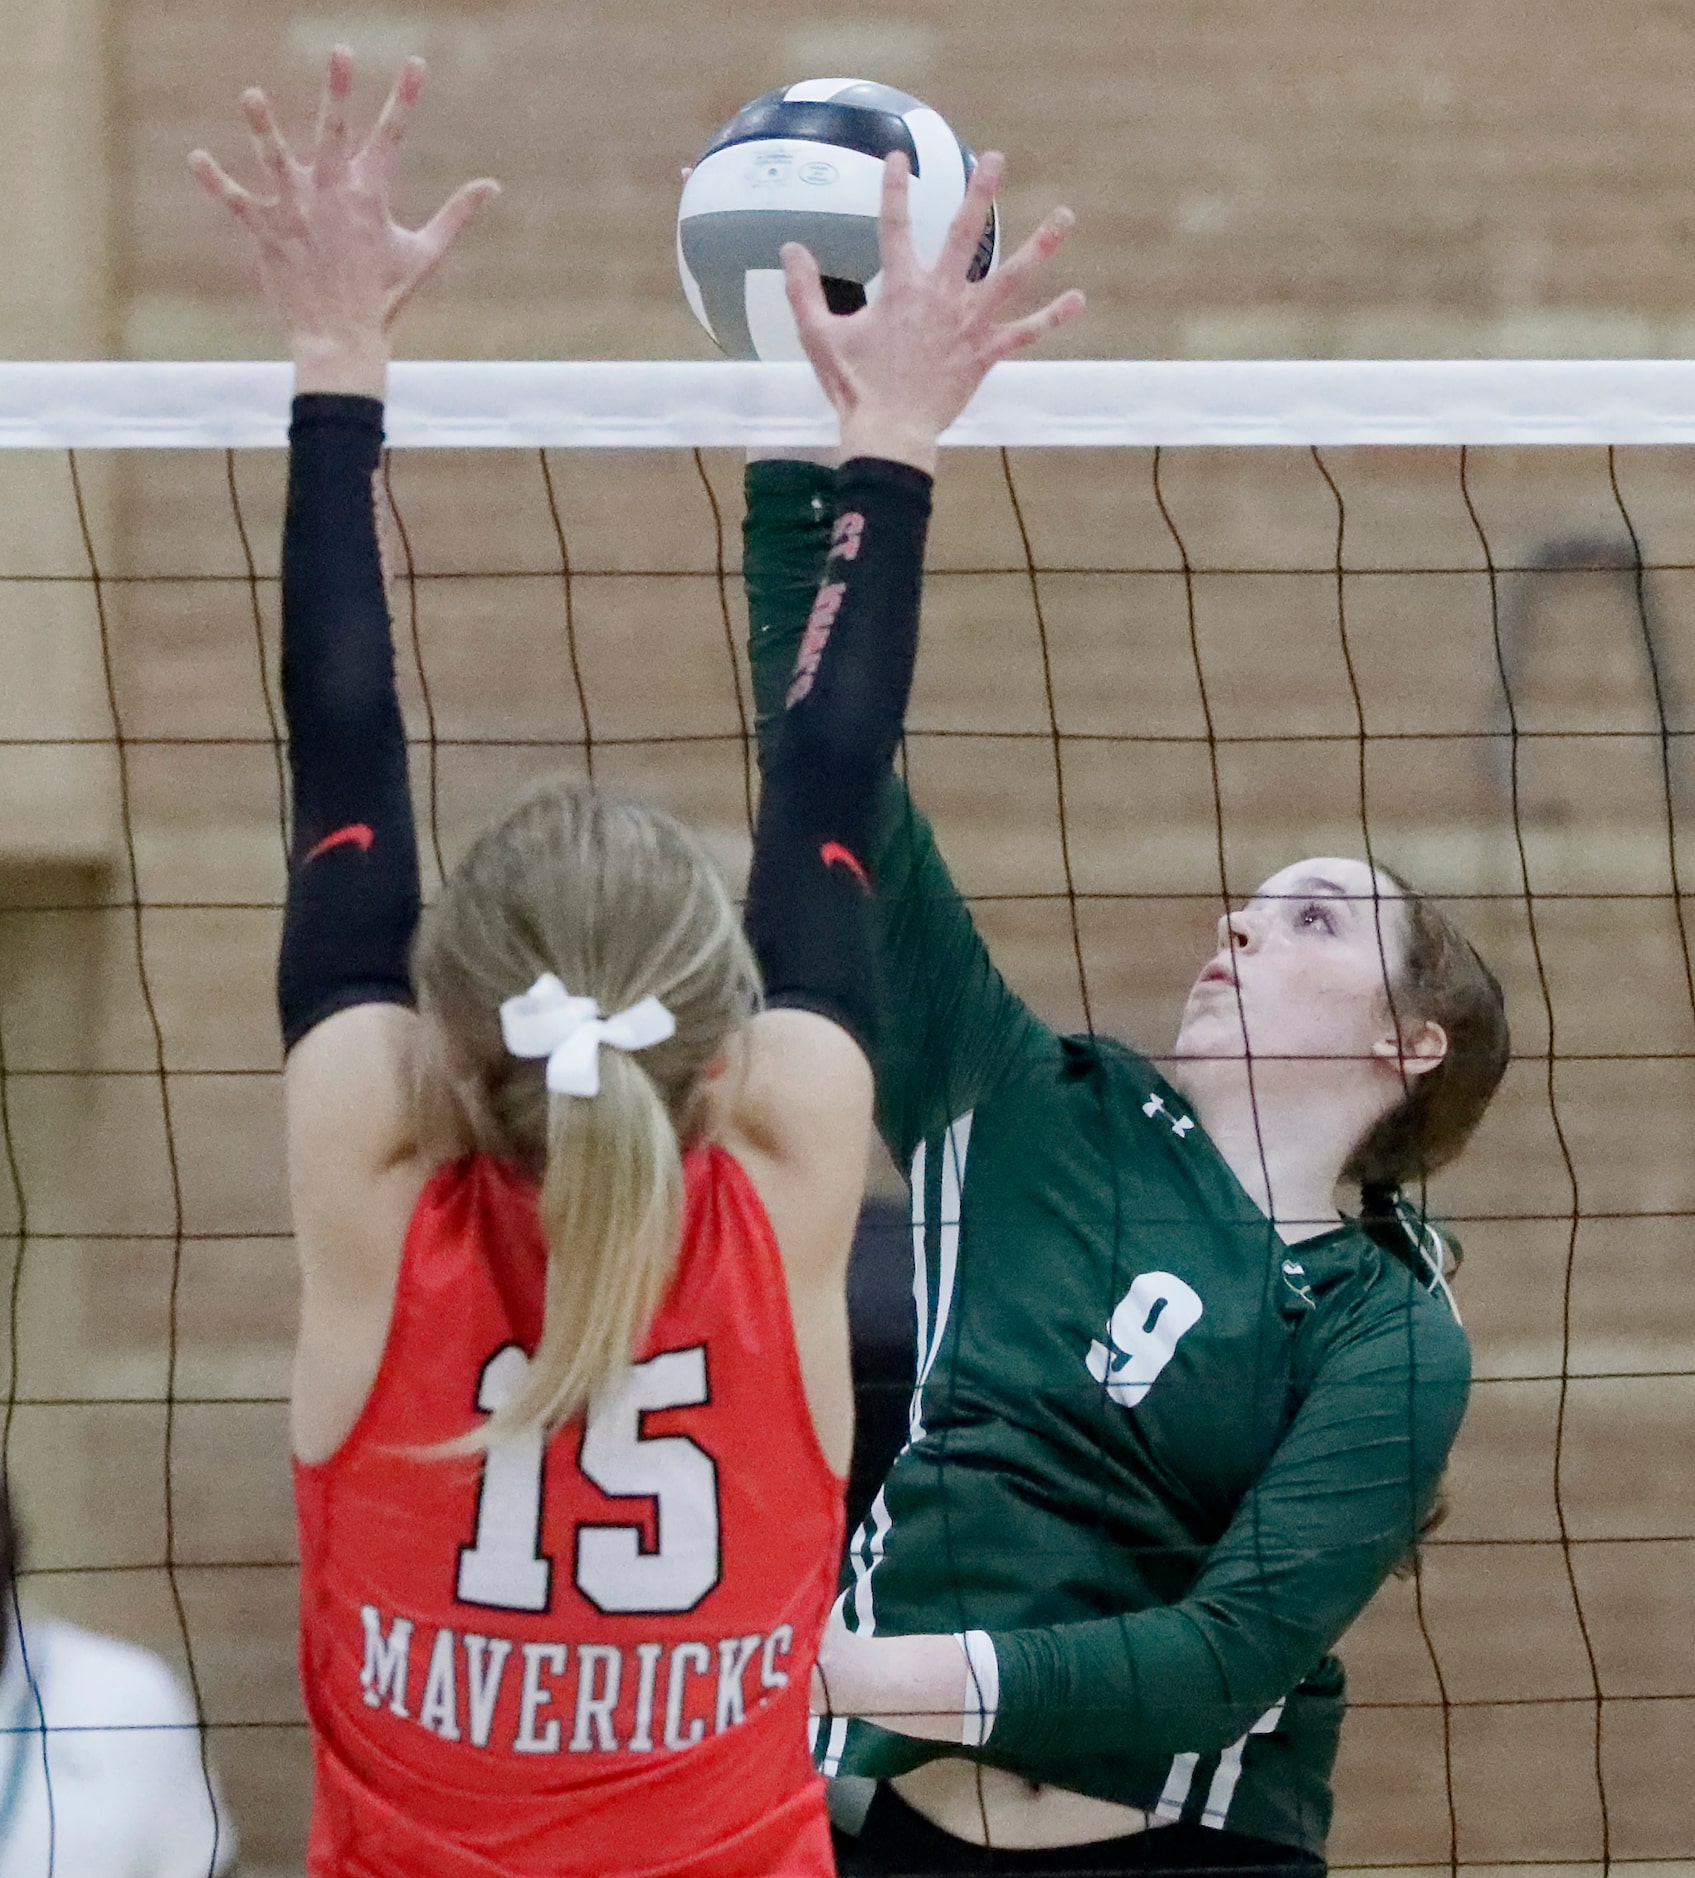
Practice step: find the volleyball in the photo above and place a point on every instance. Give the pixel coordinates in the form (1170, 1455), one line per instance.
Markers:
(805, 163)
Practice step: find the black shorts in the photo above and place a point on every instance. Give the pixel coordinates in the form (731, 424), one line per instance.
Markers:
(899, 1842)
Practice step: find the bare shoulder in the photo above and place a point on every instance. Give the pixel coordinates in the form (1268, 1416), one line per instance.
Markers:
(356, 1167)
(801, 1125)
(350, 1092)
(803, 1072)
(356, 1157)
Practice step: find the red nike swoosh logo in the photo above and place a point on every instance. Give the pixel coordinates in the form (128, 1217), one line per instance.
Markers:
(833, 851)
(355, 832)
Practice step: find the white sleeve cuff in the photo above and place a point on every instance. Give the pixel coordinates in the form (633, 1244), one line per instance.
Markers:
(982, 1688)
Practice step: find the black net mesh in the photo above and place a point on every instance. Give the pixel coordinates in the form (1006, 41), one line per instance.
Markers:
(1148, 680)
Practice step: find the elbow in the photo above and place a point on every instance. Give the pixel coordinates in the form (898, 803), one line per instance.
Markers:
(1205, 1721)
(1231, 1686)
(1227, 1726)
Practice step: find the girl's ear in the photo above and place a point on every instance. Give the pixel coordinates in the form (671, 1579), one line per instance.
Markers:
(1417, 1053)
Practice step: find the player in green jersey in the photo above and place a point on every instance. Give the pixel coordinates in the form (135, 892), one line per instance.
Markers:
(1176, 1417)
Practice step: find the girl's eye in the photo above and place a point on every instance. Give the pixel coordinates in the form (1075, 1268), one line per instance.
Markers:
(1315, 913)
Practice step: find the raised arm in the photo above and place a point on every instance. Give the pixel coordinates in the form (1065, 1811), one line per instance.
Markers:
(352, 896)
(898, 374)
(954, 1026)
(336, 269)
(1339, 1506)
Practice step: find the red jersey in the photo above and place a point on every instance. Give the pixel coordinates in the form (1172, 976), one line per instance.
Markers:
(590, 1655)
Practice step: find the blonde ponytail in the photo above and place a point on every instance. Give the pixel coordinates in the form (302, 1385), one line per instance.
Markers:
(611, 1207)
(620, 902)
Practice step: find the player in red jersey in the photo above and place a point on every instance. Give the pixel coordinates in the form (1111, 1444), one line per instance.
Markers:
(573, 1195)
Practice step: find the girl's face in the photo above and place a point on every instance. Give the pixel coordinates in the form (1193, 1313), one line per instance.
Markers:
(1302, 971)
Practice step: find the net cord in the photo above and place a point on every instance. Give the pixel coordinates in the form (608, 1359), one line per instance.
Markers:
(1096, 403)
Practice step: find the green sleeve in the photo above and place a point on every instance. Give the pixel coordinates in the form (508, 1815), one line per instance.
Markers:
(1339, 1506)
(953, 1028)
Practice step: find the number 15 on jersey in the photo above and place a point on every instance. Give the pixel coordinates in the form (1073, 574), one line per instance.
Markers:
(505, 1568)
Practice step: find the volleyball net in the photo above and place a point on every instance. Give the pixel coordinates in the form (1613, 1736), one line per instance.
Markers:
(1184, 623)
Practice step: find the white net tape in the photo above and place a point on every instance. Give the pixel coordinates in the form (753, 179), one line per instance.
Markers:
(1096, 403)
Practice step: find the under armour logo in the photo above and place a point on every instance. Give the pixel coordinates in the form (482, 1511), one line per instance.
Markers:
(1295, 1277)
(1180, 1124)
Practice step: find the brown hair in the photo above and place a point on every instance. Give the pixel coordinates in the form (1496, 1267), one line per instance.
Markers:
(1442, 980)
(619, 900)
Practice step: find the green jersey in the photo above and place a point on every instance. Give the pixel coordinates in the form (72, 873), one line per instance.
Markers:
(1160, 1457)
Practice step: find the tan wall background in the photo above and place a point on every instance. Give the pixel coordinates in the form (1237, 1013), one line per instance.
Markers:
(1287, 177)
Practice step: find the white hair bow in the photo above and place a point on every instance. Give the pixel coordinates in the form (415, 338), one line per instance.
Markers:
(547, 1021)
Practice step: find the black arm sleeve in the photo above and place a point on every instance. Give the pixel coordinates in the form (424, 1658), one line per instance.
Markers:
(809, 897)
(353, 898)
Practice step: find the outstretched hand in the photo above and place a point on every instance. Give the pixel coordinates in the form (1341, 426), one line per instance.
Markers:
(901, 369)
(335, 264)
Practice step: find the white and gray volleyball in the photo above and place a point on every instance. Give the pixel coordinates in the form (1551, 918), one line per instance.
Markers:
(806, 164)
